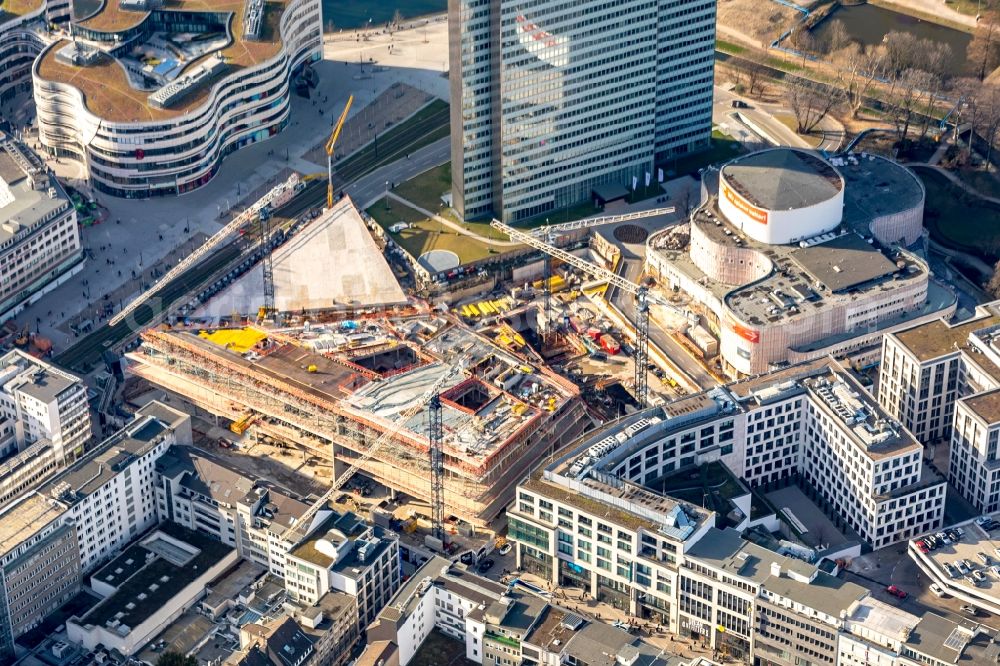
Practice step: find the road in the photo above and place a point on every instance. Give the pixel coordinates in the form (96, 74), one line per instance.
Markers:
(369, 189)
(625, 302)
(760, 114)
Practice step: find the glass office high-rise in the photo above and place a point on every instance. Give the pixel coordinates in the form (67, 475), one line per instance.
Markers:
(551, 99)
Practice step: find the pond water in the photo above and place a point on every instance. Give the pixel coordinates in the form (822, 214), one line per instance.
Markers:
(869, 24)
(340, 13)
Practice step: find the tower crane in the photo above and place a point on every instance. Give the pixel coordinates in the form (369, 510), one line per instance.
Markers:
(329, 147)
(429, 396)
(555, 229)
(278, 193)
(641, 291)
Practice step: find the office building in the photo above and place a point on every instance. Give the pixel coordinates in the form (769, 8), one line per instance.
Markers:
(39, 237)
(345, 554)
(500, 625)
(550, 103)
(148, 111)
(40, 403)
(109, 494)
(791, 257)
(941, 380)
(39, 566)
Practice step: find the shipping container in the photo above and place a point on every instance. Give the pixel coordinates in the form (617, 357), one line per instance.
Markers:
(609, 344)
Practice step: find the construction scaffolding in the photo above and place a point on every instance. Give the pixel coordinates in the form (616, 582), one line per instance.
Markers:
(304, 398)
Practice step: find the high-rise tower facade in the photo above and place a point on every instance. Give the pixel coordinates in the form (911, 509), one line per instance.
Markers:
(552, 99)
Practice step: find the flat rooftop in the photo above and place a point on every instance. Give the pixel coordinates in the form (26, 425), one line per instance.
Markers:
(331, 262)
(985, 405)
(143, 590)
(20, 201)
(105, 86)
(843, 262)
(877, 187)
(12, 9)
(873, 431)
(783, 178)
(939, 337)
(102, 464)
(22, 520)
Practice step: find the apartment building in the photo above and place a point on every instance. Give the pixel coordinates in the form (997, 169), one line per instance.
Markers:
(499, 625)
(201, 493)
(109, 494)
(39, 237)
(348, 555)
(940, 379)
(547, 108)
(40, 402)
(39, 566)
(750, 603)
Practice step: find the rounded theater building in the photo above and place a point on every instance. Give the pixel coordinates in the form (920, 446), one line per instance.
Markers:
(781, 196)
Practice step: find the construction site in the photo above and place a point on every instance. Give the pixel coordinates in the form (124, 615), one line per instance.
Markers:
(355, 394)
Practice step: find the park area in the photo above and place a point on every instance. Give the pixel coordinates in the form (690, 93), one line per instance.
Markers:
(959, 220)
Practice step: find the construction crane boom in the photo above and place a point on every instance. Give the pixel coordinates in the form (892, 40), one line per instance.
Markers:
(287, 187)
(641, 292)
(589, 222)
(331, 144)
(377, 445)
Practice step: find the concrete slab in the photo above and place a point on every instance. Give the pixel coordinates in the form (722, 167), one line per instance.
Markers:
(821, 528)
(332, 262)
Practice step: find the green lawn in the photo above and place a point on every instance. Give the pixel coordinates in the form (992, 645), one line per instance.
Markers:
(723, 148)
(958, 219)
(789, 121)
(425, 189)
(425, 234)
(729, 47)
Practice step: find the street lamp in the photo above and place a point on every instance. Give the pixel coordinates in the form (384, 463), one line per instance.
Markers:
(387, 195)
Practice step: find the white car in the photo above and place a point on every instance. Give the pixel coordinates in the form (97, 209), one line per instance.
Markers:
(937, 591)
(504, 549)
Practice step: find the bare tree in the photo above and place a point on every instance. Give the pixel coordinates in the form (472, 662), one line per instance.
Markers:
(838, 37)
(984, 49)
(809, 105)
(756, 71)
(993, 286)
(937, 64)
(989, 118)
(903, 100)
(858, 68)
(967, 112)
(902, 52)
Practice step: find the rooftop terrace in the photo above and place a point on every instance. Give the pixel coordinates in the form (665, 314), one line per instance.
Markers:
(12, 9)
(105, 85)
(939, 337)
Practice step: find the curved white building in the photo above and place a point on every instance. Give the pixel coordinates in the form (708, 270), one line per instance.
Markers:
(152, 99)
(781, 196)
(24, 30)
(793, 257)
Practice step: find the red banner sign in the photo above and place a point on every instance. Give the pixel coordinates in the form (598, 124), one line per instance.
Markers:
(747, 334)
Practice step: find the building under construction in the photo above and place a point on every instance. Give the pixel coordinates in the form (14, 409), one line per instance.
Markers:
(333, 390)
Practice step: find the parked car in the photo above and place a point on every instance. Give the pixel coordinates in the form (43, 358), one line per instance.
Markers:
(943, 538)
(922, 546)
(984, 558)
(969, 610)
(504, 549)
(485, 565)
(740, 104)
(937, 591)
(962, 568)
(979, 576)
(896, 592)
(950, 570)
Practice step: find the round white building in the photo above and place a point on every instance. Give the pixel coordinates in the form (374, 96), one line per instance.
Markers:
(781, 196)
